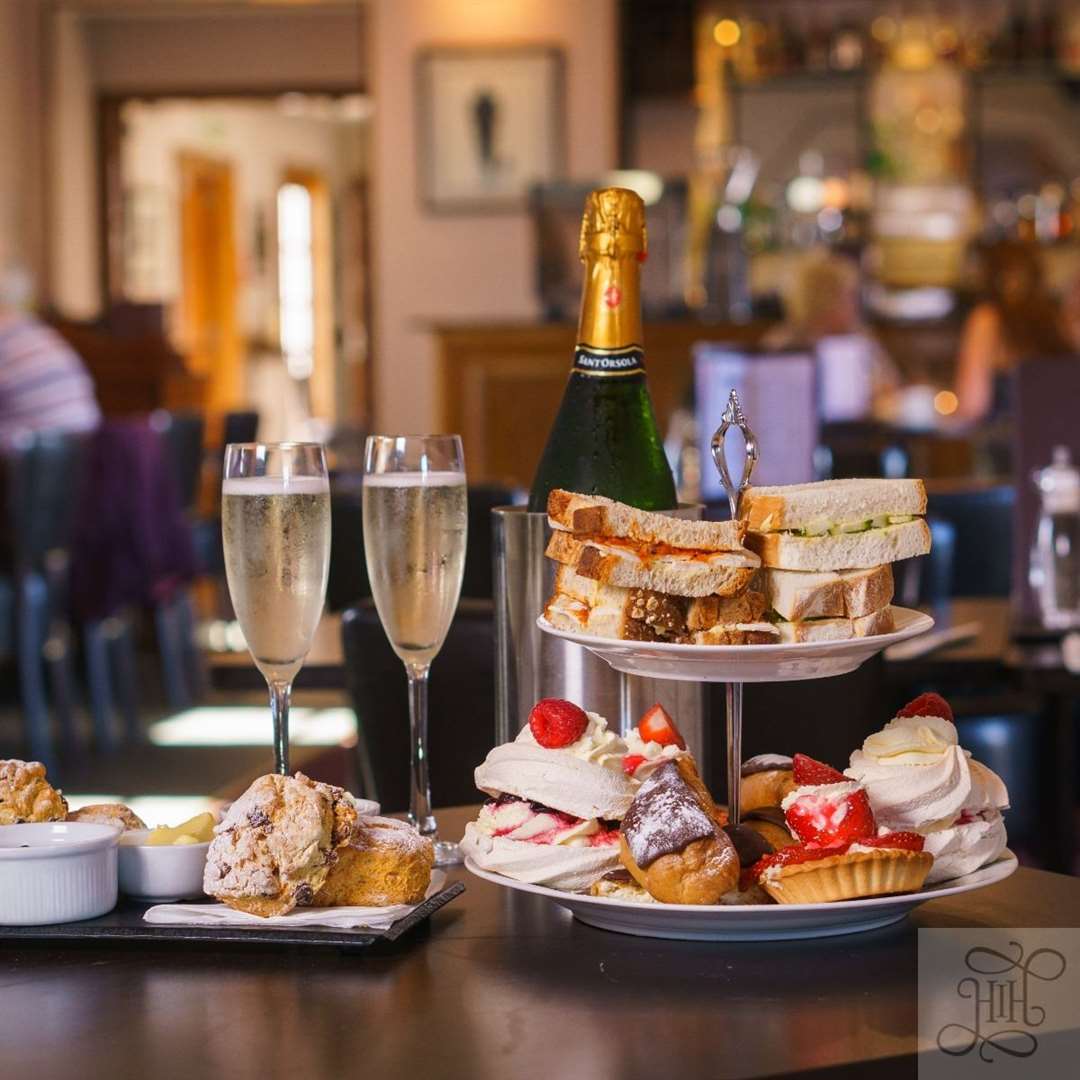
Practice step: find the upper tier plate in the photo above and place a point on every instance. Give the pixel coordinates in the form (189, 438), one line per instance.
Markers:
(745, 663)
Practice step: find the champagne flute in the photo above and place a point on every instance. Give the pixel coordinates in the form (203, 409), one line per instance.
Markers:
(414, 543)
(275, 525)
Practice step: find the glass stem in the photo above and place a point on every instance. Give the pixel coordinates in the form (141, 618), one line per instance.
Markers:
(420, 802)
(280, 694)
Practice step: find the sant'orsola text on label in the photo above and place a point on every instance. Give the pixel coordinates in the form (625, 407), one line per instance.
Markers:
(624, 362)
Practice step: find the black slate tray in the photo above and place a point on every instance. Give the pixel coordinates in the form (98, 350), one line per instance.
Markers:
(125, 924)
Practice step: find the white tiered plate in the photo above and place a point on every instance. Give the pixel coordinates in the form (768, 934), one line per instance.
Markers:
(745, 663)
(752, 922)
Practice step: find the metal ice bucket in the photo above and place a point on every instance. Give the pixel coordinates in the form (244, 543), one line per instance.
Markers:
(530, 664)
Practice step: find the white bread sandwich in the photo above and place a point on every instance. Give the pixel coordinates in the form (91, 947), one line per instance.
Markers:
(836, 629)
(836, 524)
(620, 545)
(580, 603)
(797, 596)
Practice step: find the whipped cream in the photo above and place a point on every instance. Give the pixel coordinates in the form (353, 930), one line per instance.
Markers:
(654, 753)
(597, 744)
(568, 867)
(918, 776)
(584, 779)
(962, 848)
(920, 779)
(825, 792)
(519, 820)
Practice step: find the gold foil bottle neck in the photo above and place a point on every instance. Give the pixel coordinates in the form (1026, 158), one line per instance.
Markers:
(613, 225)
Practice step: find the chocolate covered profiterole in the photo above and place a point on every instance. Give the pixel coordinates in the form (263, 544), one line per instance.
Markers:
(766, 779)
(672, 842)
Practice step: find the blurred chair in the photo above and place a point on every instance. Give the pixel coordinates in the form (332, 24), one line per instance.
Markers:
(461, 702)
(182, 434)
(239, 427)
(348, 582)
(928, 579)
(981, 521)
(42, 473)
(857, 449)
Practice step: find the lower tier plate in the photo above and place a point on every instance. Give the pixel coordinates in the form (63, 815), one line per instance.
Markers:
(752, 922)
(745, 663)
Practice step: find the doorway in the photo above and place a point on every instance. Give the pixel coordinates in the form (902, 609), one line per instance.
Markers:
(208, 331)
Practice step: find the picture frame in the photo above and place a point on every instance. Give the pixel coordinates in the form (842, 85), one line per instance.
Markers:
(490, 125)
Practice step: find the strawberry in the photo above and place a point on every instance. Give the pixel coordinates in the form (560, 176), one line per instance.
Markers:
(806, 770)
(656, 726)
(789, 856)
(825, 820)
(928, 705)
(909, 841)
(556, 723)
(631, 762)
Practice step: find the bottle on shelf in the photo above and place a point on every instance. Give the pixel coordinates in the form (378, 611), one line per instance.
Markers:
(605, 440)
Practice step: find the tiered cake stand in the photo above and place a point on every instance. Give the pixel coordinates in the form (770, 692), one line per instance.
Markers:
(735, 665)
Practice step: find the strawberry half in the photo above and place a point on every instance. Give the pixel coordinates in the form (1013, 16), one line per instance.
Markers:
(908, 841)
(805, 770)
(556, 723)
(829, 819)
(928, 705)
(630, 763)
(656, 726)
(789, 856)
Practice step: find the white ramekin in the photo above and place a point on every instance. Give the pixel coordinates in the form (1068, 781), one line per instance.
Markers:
(56, 872)
(163, 872)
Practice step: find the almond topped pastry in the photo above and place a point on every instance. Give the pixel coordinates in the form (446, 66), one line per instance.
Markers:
(276, 845)
(25, 794)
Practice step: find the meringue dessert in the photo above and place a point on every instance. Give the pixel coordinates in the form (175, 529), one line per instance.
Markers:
(919, 779)
(557, 793)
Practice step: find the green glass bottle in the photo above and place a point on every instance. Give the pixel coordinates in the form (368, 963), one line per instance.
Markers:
(604, 440)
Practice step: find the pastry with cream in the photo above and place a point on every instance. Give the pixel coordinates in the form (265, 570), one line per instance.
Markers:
(653, 741)
(557, 794)
(840, 854)
(766, 779)
(672, 838)
(918, 778)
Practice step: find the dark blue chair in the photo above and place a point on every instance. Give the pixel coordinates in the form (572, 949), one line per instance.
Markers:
(42, 474)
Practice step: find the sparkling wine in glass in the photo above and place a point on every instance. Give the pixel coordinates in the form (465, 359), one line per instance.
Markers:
(275, 524)
(414, 543)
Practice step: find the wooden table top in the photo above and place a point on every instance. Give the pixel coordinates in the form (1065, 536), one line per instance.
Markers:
(500, 985)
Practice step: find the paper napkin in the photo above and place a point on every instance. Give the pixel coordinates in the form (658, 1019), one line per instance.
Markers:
(338, 918)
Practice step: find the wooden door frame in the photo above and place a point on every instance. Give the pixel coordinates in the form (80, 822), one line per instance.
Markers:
(110, 216)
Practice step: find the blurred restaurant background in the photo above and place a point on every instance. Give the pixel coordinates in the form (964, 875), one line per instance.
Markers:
(297, 219)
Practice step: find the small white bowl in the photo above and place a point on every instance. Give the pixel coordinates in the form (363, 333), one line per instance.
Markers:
(56, 872)
(160, 873)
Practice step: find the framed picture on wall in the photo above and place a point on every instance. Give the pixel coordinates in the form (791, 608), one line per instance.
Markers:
(490, 124)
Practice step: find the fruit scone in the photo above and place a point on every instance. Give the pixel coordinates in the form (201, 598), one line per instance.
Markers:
(277, 844)
(557, 794)
(840, 854)
(920, 779)
(26, 795)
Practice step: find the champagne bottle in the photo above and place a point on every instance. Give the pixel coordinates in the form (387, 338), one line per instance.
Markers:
(604, 440)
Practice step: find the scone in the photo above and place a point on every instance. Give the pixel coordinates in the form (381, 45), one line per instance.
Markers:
(385, 862)
(25, 794)
(672, 842)
(278, 841)
(109, 814)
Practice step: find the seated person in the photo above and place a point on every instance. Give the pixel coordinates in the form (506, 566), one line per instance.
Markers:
(44, 386)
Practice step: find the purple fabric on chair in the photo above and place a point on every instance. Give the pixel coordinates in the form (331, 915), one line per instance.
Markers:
(131, 544)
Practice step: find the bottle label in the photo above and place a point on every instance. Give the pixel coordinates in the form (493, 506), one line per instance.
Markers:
(607, 362)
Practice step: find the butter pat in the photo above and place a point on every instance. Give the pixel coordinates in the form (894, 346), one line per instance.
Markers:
(196, 830)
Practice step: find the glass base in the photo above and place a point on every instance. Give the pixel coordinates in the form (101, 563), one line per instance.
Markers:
(447, 853)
